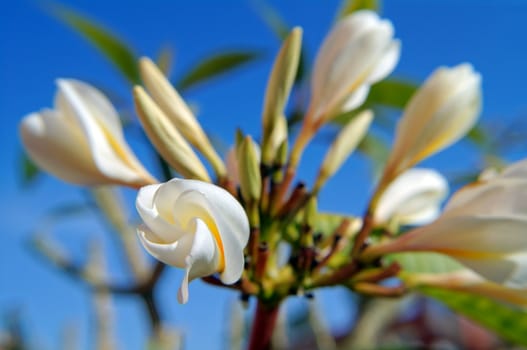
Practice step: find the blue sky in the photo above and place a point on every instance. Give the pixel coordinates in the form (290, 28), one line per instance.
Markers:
(36, 49)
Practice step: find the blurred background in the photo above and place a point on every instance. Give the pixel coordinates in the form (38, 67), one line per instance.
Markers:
(51, 309)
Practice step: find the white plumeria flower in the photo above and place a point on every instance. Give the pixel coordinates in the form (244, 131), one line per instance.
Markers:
(196, 226)
(413, 198)
(442, 111)
(81, 140)
(483, 226)
(359, 51)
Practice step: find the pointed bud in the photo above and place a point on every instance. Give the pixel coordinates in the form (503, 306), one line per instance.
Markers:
(249, 170)
(276, 139)
(278, 89)
(167, 139)
(347, 140)
(441, 112)
(177, 111)
(310, 212)
(281, 159)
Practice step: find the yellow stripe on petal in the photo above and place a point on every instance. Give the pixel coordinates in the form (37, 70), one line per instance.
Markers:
(217, 237)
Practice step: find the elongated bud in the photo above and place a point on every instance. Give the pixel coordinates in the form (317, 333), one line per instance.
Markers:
(281, 159)
(310, 212)
(167, 139)
(278, 90)
(177, 111)
(276, 139)
(249, 170)
(441, 112)
(345, 143)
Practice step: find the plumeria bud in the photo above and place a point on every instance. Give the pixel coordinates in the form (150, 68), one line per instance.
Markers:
(347, 140)
(311, 212)
(359, 51)
(282, 153)
(281, 158)
(442, 111)
(276, 139)
(167, 139)
(413, 198)
(483, 227)
(81, 140)
(177, 111)
(249, 169)
(278, 89)
(195, 226)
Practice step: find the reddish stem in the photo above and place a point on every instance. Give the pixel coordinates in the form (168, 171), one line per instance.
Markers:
(263, 326)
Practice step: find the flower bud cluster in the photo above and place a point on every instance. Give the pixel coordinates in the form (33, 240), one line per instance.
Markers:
(232, 225)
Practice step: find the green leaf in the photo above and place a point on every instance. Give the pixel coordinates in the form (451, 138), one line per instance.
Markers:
(105, 41)
(376, 149)
(165, 59)
(425, 262)
(29, 170)
(507, 321)
(478, 135)
(392, 93)
(327, 223)
(215, 65)
(273, 19)
(281, 29)
(349, 6)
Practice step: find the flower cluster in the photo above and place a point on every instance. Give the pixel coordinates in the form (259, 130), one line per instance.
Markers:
(227, 227)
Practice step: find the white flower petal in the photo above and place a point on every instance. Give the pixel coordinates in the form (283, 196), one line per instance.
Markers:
(234, 232)
(439, 114)
(500, 197)
(516, 170)
(58, 146)
(213, 219)
(359, 51)
(518, 278)
(483, 244)
(103, 131)
(345, 30)
(171, 253)
(386, 63)
(98, 106)
(412, 198)
(471, 235)
(495, 270)
(352, 67)
(196, 252)
(160, 223)
(484, 227)
(355, 99)
(81, 141)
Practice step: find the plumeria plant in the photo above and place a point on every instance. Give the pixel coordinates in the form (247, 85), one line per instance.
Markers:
(248, 222)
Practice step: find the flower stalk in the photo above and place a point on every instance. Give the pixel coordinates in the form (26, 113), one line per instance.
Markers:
(263, 325)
